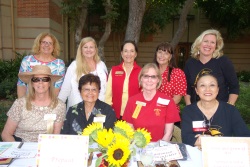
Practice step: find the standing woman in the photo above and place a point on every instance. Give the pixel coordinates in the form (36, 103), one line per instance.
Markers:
(45, 50)
(173, 79)
(87, 61)
(39, 112)
(206, 53)
(123, 79)
(151, 109)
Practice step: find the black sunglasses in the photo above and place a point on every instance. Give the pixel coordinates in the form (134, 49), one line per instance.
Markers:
(43, 79)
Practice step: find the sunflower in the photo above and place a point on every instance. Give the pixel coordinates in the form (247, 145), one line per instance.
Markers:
(91, 130)
(124, 128)
(105, 137)
(118, 153)
(142, 137)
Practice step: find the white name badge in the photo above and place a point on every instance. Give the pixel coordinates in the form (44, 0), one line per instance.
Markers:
(163, 101)
(199, 126)
(50, 117)
(100, 119)
(140, 103)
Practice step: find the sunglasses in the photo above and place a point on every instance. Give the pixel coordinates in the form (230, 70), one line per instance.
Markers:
(43, 79)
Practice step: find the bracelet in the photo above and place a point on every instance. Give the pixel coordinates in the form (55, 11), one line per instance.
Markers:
(231, 103)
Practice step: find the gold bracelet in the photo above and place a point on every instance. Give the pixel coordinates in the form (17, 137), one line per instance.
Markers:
(231, 103)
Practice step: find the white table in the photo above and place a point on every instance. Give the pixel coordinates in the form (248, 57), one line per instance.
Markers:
(194, 158)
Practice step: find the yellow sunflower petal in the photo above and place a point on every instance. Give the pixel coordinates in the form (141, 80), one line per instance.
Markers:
(105, 137)
(91, 128)
(124, 128)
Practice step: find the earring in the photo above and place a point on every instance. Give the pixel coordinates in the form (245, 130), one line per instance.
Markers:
(198, 52)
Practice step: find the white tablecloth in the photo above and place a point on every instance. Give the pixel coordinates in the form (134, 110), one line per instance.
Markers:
(194, 158)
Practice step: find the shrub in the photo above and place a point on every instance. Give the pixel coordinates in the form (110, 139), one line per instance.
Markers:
(8, 76)
(244, 76)
(242, 103)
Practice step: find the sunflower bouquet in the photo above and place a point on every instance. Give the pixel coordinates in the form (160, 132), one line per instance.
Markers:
(116, 145)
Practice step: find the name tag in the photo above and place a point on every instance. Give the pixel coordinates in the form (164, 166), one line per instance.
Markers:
(100, 119)
(50, 117)
(163, 101)
(199, 126)
(140, 103)
(119, 72)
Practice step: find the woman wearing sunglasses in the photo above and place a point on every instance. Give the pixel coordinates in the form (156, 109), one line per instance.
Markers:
(39, 112)
(210, 116)
(152, 109)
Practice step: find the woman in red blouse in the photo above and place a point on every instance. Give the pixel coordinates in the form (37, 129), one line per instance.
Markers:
(173, 79)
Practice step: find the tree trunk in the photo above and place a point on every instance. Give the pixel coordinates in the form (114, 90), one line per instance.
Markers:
(136, 12)
(182, 22)
(105, 36)
(80, 24)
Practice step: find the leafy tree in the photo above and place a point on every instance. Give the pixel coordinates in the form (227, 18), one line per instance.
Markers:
(234, 15)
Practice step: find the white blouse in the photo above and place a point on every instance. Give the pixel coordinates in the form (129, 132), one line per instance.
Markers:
(69, 89)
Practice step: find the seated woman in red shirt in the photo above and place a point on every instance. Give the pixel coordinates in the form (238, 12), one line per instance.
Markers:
(152, 109)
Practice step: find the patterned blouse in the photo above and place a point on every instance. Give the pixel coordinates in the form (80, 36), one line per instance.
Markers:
(177, 84)
(57, 67)
(31, 123)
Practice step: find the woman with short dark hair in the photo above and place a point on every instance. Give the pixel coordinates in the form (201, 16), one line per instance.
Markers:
(80, 115)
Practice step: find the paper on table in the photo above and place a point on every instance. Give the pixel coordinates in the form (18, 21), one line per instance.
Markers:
(18, 153)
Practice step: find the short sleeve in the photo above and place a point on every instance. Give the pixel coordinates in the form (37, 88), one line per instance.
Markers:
(179, 82)
(60, 111)
(15, 111)
(59, 70)
(172, 113)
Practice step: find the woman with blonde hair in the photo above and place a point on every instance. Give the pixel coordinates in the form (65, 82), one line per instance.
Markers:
(206, 53)
(39, 112)
(87, 61)
(44, 52)
(152, 109)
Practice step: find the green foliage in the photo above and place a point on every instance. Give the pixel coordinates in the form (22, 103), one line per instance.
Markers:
(5, 106)
(158, 14)
(242, 103)
(244, 76)
(8, 76)
(232, 14)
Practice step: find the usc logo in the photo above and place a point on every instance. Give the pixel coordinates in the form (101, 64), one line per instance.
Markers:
(157, 112)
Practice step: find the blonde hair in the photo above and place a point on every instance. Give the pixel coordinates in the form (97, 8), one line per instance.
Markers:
(82, 66)
(31, 96)
(219, 44)
(40, 37)
(146, 68)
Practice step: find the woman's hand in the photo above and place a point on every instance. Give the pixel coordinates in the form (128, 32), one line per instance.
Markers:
(198, 141)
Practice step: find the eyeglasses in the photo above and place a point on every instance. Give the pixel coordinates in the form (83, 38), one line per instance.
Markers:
(203, 72)
(46, 43)
(43, 79)
(87, 90)
(153, 77)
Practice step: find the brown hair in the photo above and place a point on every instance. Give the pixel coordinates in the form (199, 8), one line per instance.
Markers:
(40, 37)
